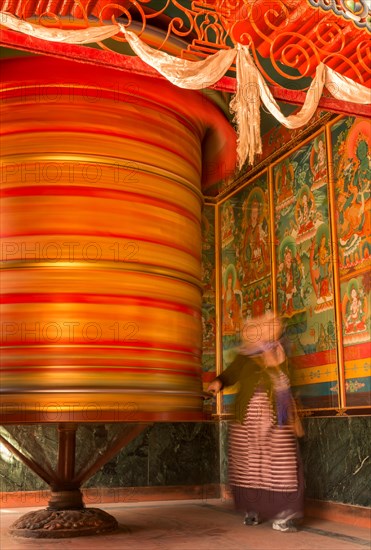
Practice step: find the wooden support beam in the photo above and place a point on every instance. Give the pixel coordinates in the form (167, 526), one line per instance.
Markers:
(46, 475)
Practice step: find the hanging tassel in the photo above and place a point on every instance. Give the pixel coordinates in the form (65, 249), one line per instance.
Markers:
(245, 106)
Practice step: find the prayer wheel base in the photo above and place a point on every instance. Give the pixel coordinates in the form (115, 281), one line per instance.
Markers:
(63, 523)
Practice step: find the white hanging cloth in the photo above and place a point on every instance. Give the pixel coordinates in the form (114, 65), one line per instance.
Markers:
(193, 75)
(78, 36)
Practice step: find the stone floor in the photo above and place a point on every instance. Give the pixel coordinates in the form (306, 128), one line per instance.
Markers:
(191, 525)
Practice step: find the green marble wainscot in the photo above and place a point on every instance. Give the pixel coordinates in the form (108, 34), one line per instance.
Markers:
(224, 452)
(336, 453)
(165, 454)
(35, 440)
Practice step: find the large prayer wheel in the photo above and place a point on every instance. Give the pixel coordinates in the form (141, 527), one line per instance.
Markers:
(102, 178)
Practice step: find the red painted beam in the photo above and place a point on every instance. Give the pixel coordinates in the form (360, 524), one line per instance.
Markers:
(82, 54)
(297, 97)
(133, 64)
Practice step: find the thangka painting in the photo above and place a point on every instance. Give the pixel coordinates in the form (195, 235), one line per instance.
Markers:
(245, 260)
(351, 143)
(208, 295)
(305, 289)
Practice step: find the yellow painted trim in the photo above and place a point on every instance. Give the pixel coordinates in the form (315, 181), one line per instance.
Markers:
(357, 368)
(315, 375)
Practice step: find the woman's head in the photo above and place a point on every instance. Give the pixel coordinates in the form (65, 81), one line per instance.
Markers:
(262, 330)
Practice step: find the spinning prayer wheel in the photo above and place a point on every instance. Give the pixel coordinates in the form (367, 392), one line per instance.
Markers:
(102, 183)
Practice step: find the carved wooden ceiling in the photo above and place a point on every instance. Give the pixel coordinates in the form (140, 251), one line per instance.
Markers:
(287, 39)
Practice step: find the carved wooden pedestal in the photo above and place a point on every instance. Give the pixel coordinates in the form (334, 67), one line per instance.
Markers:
(66, 515)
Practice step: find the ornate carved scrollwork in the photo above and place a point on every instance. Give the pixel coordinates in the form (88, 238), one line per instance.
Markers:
(287, 39)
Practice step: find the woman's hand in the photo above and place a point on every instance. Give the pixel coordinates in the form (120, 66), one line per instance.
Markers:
(215, 387)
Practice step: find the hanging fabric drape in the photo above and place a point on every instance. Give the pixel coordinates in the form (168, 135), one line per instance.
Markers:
(345, 89)
(251, 88)
(193, 75)
(78, 36)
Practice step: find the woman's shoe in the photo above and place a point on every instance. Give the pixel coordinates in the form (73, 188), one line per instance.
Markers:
(251, 518)
(285, 522)
(286, 526)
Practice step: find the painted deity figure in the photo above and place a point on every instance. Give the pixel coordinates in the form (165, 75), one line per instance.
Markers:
(322, 342)
(323, 258)
(284, 185)
(305, 212)
(289, 279)
(318, 163)
(321, 157)
(231, 308)
(228, 224)
(208, 276)
(255, 246)
(208, 330)
(354, 321)
(362, 177)
(354, 218)
(287, 179)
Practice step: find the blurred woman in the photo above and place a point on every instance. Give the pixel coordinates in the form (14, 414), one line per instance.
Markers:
(265, 472)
